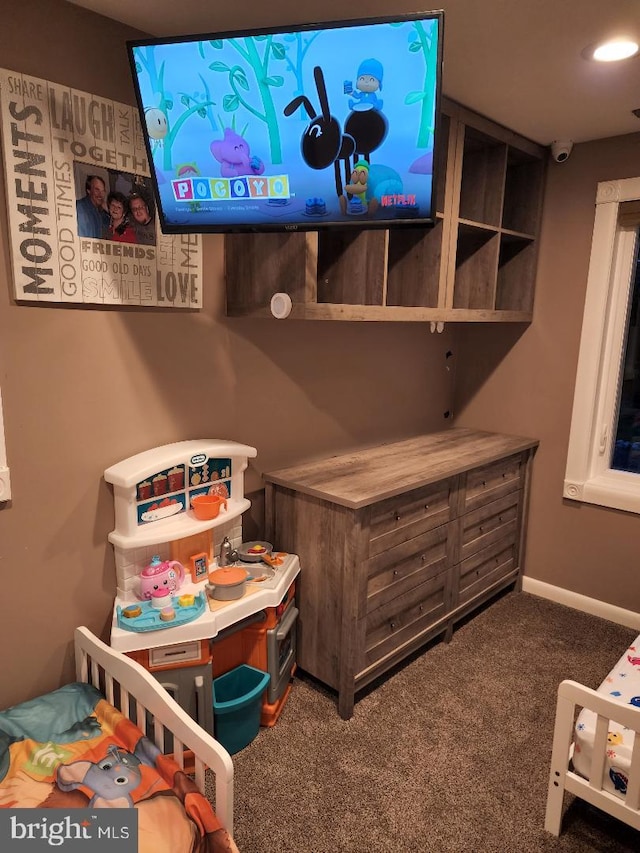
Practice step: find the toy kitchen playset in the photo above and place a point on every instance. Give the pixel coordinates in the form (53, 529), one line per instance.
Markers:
(193, 600)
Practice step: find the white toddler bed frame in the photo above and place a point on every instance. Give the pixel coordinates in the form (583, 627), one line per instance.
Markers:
(572, 695)
(133, 691)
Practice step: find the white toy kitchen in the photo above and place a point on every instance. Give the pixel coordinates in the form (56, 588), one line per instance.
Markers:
(175, 595)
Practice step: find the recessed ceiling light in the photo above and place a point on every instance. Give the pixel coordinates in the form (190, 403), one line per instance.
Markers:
(611, 51)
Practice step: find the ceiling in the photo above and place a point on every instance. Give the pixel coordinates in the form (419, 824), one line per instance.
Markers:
(516, 61)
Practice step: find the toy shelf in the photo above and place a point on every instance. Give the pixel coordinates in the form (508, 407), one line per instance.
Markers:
(153, 490)
(177, 527)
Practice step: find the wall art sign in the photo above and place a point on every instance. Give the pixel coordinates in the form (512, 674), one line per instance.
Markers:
(81, 213)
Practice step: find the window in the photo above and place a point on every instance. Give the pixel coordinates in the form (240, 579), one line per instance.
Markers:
(603, 463)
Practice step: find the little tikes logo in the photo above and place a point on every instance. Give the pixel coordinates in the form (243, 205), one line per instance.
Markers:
(34, 830)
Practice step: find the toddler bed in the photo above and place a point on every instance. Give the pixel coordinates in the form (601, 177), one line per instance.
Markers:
(596, 755)
(100, 742)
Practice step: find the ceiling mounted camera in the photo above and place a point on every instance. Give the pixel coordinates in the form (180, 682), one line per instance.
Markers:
(560, 151)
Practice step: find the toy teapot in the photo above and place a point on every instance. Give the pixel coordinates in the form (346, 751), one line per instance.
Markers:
(160, 573)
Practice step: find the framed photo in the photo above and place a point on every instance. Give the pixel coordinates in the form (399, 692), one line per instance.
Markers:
(86, 161)
(199, 567)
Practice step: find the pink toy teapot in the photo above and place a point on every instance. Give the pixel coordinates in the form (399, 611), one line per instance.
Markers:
(160, 573)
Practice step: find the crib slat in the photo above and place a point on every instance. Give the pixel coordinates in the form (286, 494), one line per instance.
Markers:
(82, 667)
(633, 787)
(178, 752)
(124, 702)
(158, 734)
(109, 687)
(200, 768)
(141, 717)
(599, 753)
(95, 674)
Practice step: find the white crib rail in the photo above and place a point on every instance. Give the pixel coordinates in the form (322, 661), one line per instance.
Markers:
(572, 695)
(127, 685)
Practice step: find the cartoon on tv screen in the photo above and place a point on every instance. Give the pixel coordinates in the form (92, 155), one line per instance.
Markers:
(301, 128)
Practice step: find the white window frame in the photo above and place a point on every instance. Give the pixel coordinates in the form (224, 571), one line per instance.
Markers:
(588, 476)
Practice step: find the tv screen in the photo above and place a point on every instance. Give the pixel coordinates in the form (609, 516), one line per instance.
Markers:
(296, 128)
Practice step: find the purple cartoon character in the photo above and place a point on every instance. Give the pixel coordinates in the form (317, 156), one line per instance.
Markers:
(234, 156)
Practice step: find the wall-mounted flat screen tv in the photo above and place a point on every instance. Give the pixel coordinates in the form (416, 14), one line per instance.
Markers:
(296, 128)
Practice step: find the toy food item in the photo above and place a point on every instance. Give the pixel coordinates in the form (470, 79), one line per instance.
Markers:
(159, 484)
(176, 479)
(219, 489)
(144, 490)
(257, 549)
(186, 600)
(167, 614)
(132, 611)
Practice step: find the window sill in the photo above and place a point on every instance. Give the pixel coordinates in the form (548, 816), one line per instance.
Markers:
(615, 489)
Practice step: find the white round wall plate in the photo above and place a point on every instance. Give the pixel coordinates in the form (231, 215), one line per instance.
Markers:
(281, 305)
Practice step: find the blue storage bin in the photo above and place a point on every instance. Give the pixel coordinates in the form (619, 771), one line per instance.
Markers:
(237, 703)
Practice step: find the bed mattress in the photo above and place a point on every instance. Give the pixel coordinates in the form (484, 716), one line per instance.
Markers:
(622, 684)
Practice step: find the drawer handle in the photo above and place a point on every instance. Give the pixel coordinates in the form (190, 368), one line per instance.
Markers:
(397, 517)
(481, 529)
(423, 557)
(395, 571)
(426, 506)
(499, 518)
(484, 482)
(392, 625)
(421, 608)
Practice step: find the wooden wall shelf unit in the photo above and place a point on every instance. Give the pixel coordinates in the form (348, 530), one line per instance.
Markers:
(397, 543)
(478, 263)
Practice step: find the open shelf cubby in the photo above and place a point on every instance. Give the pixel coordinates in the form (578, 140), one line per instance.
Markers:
(477, 262)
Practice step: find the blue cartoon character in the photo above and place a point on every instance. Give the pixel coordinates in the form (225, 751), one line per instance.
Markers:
(368, 82)
(111, 780)
(234, 155)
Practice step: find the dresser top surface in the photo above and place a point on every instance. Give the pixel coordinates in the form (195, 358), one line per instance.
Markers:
(362, 477)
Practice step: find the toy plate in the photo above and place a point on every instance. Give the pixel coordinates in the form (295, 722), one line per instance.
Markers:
(161, 512)
(149, 619)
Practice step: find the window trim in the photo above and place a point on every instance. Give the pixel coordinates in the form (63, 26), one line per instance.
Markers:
(588, 477)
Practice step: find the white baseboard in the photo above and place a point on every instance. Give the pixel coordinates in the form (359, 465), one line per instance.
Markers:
(628, 618)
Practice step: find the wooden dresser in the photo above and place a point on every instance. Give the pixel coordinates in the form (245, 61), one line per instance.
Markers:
(397, 543)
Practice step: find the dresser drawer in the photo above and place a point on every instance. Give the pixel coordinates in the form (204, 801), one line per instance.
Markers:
(489, 523)
(480, 571)
(402, 517)
(406, 566)
(492, 481)
(408, 615)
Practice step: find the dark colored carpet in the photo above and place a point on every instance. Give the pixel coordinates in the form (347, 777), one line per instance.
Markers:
(448, 754)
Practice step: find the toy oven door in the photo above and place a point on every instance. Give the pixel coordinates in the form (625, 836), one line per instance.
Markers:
(281, 652)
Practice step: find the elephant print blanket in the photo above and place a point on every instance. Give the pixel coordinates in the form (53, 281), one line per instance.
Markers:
(72, 749)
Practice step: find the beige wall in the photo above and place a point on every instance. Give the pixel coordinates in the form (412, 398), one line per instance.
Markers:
(84, 388)
(522, 381)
